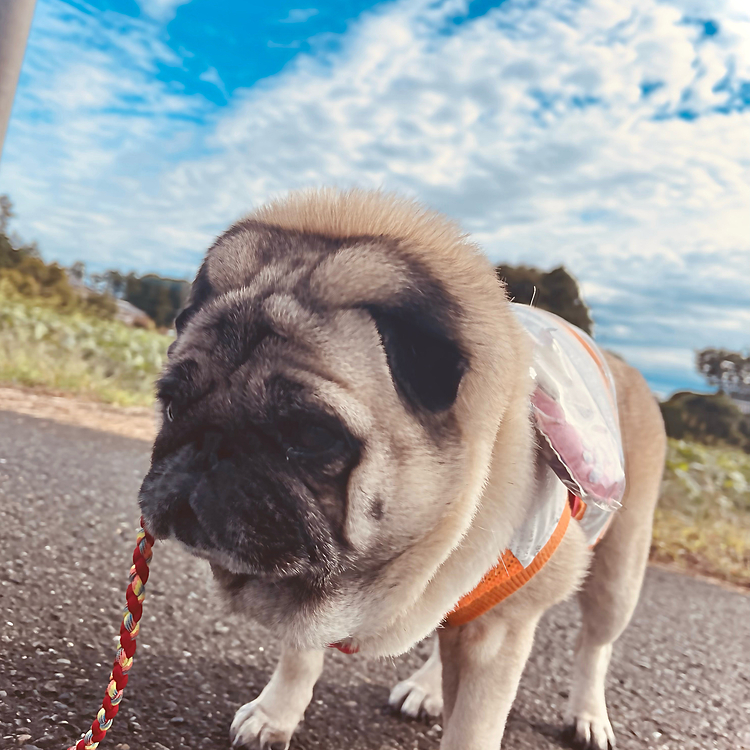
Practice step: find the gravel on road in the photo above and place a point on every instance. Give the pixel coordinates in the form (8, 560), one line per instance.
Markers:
(680, 676)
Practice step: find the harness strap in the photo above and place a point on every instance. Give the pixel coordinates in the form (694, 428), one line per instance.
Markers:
(509, 575)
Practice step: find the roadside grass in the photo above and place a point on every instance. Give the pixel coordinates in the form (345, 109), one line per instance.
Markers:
(702, 523)
(106, 360)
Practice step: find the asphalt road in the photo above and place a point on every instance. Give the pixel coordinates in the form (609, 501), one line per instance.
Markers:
(680, 676)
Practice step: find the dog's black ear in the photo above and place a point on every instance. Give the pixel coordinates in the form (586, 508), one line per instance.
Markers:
(426, 362)
(200, 292)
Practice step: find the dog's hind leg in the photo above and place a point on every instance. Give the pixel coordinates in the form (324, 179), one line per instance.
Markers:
(610, 592)
(422, 693)
(270, 720)
(607, 601)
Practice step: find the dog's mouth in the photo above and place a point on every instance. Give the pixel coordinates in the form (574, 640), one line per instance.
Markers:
(184, 527)
(248, 520)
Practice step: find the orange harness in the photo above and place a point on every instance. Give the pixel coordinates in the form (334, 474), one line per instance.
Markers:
(509, 575)
(561, 349)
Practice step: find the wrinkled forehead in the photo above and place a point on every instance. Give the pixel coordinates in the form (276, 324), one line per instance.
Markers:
(333, 271)
(260, 336)
(279, 329)
(260, 355)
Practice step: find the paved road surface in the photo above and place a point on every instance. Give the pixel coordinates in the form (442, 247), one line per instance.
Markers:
(680, 676)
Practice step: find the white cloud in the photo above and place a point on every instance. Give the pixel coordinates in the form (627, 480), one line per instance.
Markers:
(161, 10)
(529, 124)
(300, 15)
(211, 75)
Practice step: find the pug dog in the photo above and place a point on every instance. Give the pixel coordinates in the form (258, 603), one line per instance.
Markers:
(347, 439)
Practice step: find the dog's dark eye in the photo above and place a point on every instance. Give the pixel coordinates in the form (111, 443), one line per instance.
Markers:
(309, 439)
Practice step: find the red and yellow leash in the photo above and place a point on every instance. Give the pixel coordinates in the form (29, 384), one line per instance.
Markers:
(118, 678)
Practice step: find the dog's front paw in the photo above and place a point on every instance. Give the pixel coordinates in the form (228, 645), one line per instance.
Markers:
(259, 726)
(417, 697)
(591, 732)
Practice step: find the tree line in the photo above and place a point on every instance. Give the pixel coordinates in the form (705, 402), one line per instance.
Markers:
(160, 298)
(24, 272)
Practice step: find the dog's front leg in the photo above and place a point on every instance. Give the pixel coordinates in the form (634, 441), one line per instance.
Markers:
(422, 693)
(270, 720)
(482, 666)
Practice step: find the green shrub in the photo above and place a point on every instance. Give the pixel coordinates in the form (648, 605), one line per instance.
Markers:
(31, 277)
(702, 521)
(713, 419)
(76, 351)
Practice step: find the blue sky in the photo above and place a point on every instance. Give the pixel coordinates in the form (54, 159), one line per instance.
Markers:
(612, 136)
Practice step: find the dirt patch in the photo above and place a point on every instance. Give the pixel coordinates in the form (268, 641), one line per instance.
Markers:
(134, 421)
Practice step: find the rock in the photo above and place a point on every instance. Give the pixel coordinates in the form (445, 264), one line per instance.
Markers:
(177, 720)
(23, 738)
(50, 688)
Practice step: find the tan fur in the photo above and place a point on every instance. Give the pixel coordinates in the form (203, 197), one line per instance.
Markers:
(444, 543)
(489, 654)
(491, 406)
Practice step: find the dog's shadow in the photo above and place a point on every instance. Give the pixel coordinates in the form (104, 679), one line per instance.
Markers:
(558, 734)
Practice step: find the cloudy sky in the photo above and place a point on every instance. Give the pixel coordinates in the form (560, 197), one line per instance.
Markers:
(612, 136)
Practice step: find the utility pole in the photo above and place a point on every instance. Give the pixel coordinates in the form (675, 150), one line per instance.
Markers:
(15, 22)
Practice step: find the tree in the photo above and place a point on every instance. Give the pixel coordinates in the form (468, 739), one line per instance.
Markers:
(725, 370)
(13, 251)
(110, 282)
(556, 291)
(160, 298)
(78, 271)
(713, 419)
(6, 213)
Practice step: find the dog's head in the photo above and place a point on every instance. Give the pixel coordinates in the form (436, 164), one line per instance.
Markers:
(330, 405)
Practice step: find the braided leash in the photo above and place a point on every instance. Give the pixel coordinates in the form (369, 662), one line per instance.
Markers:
(118, 678)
